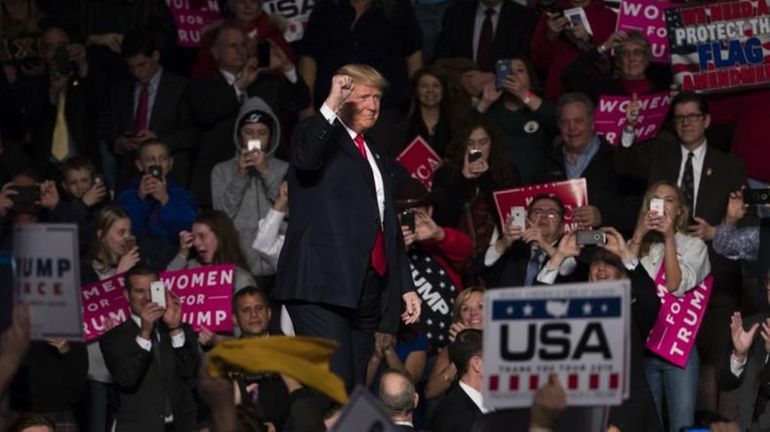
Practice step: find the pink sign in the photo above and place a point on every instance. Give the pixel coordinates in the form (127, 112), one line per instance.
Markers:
(205, 293)
(673, 335)
(610, 116)
(572, 193)
(420, 160)
(103, 302)
(191, 17)
(649, 18)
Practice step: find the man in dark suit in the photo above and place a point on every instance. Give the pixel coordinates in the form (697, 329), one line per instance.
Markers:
(749, 371)
(463, 404)
(151, 356)
(614, 199)
(518, 255)
(343, 269)
(398, 396)
(149, 106)
(216, 99)
(486, 31)
(707, 176)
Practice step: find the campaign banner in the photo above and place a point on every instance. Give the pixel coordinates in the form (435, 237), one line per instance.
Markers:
(679, 319)
(191, 17)
(572, 193)
(47, 272)
(104, 306)
(610, 116)
(577, 331)
(421, 161)
(296, 14)
(205, 294)
(647, 17)
(720, 46)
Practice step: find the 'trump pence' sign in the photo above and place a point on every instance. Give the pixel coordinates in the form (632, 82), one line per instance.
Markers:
(48, 279)
(577, 331)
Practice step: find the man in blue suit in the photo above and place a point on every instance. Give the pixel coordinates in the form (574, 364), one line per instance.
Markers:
(343, 270)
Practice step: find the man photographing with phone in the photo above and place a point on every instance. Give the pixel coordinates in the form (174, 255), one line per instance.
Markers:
(151, 356)
(343, 271)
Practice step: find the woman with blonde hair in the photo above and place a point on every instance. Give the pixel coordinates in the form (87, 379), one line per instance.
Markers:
(468, 312)
(113, 251)
(667, 252)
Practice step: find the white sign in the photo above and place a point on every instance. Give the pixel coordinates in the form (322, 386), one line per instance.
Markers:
(296, 14)
(577, 331)
(47, 278)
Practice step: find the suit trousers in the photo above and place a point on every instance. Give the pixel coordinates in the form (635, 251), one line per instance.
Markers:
(352, 329)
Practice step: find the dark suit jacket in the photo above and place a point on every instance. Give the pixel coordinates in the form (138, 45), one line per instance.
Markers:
(215, 106)
(79, 111)
(749, 381)
(618, 197)
(143, 386)
(334, 222)
(512, 34)
(405, 428)
(455, 413)
(722, 173)
(170, 120)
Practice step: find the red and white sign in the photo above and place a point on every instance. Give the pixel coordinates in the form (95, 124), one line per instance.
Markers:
(296, 14)
(421, 161)
(610, 116)
(649, 18)
(576, 331)
(104, 303)
(191, 17)
(673, 335)
(572, 193)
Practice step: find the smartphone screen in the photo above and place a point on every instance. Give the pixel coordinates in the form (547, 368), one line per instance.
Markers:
(474, 155)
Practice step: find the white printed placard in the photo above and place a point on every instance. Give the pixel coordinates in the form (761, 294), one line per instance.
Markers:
(577, 331)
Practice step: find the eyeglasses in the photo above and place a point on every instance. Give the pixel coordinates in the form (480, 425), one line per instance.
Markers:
(689, 118)
(538, 213)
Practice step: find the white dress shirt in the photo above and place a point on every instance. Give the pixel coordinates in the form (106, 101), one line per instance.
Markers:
(699, 155)
(379, 185)
(177, 341)
(475, 396)
(693, 258)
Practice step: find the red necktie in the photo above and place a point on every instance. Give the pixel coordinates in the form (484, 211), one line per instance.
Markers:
(486, 38)
(140, 120)
(378, 257)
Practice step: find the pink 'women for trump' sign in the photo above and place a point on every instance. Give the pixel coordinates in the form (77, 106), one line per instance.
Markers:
(679, 319)
(610, 116)
(649, 18)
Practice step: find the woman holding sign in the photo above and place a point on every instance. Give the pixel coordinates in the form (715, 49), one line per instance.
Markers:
(113, 251)
(679, 263)
(633, 72)
(213, 241)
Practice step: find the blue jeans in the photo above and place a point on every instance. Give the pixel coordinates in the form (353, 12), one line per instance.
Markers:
(680, 386)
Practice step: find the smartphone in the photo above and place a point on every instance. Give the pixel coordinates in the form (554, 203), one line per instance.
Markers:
(263, 53)
(61, 60)
(474, 155)
(98, 179)
(519, 217)
(156, 172)
(756, 196)
(407, 219)
(129, 243)
(26, 194)
(657, 205)
(503, 70)
(254, 144)
(158, 293)
(590, 237)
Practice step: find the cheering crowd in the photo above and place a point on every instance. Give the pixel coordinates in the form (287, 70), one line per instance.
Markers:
(279, 157)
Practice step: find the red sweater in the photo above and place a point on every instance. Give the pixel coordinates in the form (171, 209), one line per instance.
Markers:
(206, 64)
(747, 113)
(553, 56)
(451, 253)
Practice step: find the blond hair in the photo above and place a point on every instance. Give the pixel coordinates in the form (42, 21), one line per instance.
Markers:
(364, 75)
(103, 221)
(679, 222)
(463, 298)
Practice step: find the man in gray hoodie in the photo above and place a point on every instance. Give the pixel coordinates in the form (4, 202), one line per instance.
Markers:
(245, 186)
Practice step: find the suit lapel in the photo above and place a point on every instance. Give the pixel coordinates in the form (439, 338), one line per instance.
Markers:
(470, 25)
(350, 147)
(706, 184)
(159, 104)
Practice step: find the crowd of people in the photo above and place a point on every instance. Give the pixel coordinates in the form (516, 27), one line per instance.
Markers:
(279, 157)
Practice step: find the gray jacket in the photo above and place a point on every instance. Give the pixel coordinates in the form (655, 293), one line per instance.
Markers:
(247, 199)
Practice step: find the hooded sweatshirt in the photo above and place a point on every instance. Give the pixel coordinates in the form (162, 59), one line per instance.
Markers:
(247, 199)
